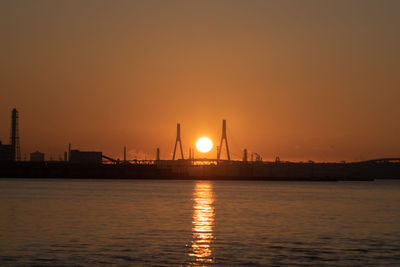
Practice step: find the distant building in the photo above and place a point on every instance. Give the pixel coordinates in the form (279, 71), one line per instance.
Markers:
(85, 157)
(37, 156)
(6, 153)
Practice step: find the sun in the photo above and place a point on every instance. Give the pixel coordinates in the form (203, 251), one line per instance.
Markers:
(204, 144)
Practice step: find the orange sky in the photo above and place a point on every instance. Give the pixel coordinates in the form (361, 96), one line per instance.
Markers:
(302, 80)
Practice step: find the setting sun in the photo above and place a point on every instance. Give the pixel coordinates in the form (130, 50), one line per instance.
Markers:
(204, 144)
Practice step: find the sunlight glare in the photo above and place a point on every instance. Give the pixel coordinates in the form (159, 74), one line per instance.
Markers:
(204, 144)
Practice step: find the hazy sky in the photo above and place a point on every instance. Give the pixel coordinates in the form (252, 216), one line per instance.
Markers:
(302, 80)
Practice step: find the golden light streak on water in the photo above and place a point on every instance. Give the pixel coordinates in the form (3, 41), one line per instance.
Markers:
(203, 222)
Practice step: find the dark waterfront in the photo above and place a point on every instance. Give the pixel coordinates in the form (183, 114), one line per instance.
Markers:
(139, 222)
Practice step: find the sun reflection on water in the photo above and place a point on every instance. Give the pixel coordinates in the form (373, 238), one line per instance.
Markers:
(203, 221)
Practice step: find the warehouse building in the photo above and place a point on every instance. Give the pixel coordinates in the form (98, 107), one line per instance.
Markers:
(85, 157)
(37, 156)
(6, 152)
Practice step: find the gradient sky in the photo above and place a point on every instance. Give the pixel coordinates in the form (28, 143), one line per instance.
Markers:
(303, 80)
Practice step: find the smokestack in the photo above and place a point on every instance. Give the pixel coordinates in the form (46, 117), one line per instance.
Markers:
(124, 153)
(245, 155)
(158, 154)
(69, 152)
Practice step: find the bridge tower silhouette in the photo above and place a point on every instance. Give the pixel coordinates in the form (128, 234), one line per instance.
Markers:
(178, 139)
(223, 137)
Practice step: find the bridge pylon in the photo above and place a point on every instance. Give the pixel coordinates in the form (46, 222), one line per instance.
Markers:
(223, 137)
(178, 139)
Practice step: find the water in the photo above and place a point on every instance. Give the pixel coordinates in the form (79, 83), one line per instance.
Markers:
(137, 222)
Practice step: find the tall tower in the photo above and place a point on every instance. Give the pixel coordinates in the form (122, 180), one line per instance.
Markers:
(69, 152)
(223, 137)
(245, 155)
(14, 136)
(178, 139)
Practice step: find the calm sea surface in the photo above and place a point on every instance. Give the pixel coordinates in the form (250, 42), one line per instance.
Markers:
(138, 222)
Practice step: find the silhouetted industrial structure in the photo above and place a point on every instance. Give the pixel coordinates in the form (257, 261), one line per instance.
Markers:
(37, 156)
(191, 153)
(85, 157)
(12, 151)
(5, 152)
(14, 136)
